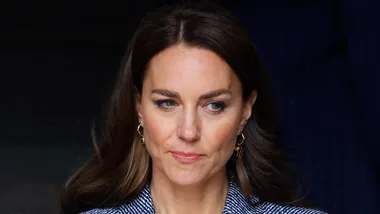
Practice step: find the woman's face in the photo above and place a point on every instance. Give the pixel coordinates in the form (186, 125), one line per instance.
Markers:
(191, 109)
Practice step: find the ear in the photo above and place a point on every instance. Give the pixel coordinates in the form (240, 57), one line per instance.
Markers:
(138, 109)
(247, 109)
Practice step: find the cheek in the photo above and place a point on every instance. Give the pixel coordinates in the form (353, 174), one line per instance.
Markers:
(223, 137)
(226, 134)
(157, 129)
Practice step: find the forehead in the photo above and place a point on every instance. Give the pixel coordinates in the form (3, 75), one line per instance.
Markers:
(183, 67)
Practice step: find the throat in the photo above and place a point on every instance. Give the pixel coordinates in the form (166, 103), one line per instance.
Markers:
(207, 198)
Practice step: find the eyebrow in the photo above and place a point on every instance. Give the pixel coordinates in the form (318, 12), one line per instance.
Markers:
(166, 93)
(208, 95)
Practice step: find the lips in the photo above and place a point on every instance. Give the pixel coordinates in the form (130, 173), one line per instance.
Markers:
(186, 157)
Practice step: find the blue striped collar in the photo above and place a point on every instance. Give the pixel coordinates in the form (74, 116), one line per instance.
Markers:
(235, 201)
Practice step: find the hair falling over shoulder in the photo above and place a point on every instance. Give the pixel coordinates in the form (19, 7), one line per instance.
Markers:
(120, 166)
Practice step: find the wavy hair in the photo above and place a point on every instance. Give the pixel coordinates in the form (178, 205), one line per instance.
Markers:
(120, 167)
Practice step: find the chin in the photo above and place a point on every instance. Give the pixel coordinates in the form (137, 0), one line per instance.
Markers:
(186, 178)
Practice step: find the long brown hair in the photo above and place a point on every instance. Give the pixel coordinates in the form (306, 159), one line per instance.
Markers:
(120, 166)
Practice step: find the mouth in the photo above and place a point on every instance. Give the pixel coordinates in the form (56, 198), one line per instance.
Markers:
(186, 157)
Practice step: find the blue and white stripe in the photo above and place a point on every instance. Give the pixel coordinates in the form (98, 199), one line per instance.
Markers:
(235, 204)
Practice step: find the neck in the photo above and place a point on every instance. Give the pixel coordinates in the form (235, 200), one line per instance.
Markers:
(208, 197)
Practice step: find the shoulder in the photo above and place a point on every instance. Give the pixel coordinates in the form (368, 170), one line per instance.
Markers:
(270, 208)
(128, 208)
(141, 204)
(237, 203)
(122, 209)
(101, 211)
(256, 207)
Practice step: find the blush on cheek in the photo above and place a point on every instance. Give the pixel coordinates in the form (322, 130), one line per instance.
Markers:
(226, 135)
(156, 133)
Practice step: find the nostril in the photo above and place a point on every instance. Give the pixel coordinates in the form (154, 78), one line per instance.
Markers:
(188, 127)
(188, 134)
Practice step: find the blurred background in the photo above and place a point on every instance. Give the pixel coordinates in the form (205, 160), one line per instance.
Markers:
(58, 61)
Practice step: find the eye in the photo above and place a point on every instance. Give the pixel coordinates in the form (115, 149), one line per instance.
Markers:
(166, 104)
(216, 107)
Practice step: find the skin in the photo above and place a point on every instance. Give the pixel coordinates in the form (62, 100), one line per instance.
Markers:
(179, 112)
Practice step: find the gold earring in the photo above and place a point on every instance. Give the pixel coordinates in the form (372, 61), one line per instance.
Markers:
(139, 127)
(239, 148)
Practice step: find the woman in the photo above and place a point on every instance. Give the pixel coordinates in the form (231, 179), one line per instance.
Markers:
(182, 133)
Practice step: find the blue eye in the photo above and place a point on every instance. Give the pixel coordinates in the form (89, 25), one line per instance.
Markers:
(216, 107)
(166, 104)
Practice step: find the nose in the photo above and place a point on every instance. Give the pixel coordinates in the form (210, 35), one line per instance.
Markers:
(188, 129)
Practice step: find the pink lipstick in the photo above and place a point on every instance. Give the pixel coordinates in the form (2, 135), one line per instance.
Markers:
(186, 157)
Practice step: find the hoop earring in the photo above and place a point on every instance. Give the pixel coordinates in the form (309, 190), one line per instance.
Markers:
(139, 127)
(239, 148)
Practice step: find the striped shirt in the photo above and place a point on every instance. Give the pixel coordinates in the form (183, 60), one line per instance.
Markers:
(235, 203)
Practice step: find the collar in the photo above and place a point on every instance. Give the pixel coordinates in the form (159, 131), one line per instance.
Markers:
(235, 201)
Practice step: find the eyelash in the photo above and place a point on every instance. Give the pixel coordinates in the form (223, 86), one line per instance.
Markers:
(221, 105)
(160, 103)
